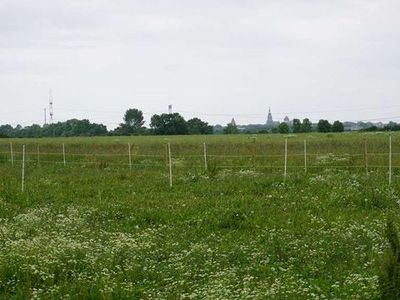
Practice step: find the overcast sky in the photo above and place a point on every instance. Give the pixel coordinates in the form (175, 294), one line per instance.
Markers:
(215, 59)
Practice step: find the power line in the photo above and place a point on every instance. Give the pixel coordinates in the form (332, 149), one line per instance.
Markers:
(287, 113)
(20, 112)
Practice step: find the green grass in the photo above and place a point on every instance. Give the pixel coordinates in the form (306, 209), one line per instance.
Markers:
(97, 230)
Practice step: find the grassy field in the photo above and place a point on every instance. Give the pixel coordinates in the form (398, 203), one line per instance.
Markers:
(100, 228)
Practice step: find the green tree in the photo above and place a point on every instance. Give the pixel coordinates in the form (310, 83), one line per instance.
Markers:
(231, 128)
(133, 120)
(337, 126)
(7, 131)
(169, 124)
(392, 126)
(197, 126)
(306, 126)
(283, 128)
(324, 126)
(296, 125)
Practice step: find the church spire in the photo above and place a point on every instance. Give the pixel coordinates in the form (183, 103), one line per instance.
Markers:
(270, 121)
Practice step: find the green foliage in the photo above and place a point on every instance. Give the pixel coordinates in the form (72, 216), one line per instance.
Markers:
(392, 126)
(7, 131)
(73, 127)
(306, 125)
(96, 229)
(231, 128)
(232, 220)
(133, 123)
(134, 118)
(324, 126)
(337, 126)
(389, 280)
(197, 126)
(283, 128)
(169, 124)
(297, 126)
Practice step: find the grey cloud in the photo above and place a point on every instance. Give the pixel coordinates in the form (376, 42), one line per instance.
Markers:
(245, 55)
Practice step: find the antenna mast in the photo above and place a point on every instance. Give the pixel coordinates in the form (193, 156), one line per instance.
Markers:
(51, 105)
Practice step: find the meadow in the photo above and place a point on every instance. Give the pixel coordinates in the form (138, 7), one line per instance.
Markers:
(106, 225)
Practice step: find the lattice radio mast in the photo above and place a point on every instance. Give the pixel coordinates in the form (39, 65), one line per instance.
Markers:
(51, 105)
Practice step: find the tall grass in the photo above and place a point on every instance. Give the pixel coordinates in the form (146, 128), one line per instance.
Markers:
(95, 230)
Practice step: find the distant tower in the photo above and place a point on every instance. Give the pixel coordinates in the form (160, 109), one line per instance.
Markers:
(170, 109)
(287, 120)
(270, 121)
(233, 122)
(51, 105)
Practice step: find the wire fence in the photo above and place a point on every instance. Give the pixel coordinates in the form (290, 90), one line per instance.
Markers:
(285, 158)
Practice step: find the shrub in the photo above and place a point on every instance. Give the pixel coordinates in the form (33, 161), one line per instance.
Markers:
(389, 280)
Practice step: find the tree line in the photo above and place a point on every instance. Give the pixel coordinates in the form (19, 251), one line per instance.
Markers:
(167, 124)
(163, 124)
(73, 127)
(133, 124)
(305, 126)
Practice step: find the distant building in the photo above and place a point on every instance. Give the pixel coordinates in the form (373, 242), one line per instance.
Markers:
(287, 120)
(270, 121)
(233, 122)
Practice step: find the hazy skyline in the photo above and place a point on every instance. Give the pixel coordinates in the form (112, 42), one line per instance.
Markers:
(335, 59)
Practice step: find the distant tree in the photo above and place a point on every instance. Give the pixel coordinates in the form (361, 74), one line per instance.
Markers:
(169, 124)
(73, 127)
(6, 131)
(337, 126)
(197, 126)
(133, 121)
(32, 131)
(263, 131)
(324, 126)
(122, 129)
(218, 129)
(231, 128)
(274, 130)
(283, 128)
(296, 125)
(392, 126)
(98, 130)
(306, 126)
(372, 128)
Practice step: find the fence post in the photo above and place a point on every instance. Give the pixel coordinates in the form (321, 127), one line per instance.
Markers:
(23, 170)
(205, 156)
(305, 156)
(12, 154)
(366, 155)
(130, 157)
(390, 159)
(285, 169)
(253, 150)
(65, 162)
(38, 154)
(170, 164)
(166, 153)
